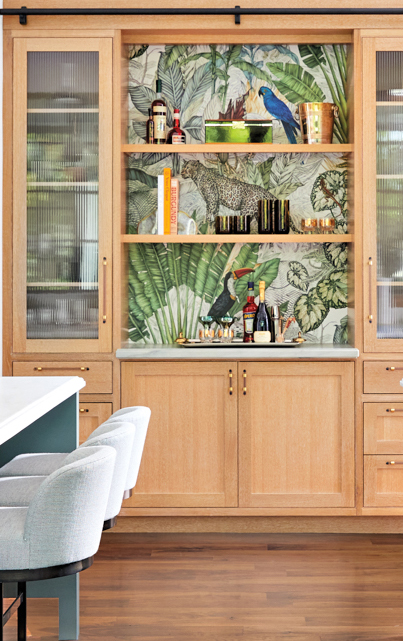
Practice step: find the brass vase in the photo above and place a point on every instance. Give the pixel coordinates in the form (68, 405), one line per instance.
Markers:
(317, 120)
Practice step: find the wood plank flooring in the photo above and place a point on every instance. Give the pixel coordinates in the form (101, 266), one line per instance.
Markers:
(237, 587)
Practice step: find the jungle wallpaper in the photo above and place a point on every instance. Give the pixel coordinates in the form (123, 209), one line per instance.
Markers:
(171, 285)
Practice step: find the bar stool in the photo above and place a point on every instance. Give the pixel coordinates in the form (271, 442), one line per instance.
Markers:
(139, 416)
(59, 533)
(45, 463)
(18, 491)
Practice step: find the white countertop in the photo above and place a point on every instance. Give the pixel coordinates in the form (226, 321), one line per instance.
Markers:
(324, 351)
(24, 399)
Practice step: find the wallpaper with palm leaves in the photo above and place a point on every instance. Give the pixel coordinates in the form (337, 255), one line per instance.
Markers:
(171, 285)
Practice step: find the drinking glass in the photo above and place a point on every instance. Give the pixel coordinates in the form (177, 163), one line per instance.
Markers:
(226, 334)
(206, 334)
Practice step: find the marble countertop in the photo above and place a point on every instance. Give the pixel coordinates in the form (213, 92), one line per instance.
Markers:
(24, 399)
(237, 352)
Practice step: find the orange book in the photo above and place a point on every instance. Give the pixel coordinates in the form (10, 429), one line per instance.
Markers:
(174, 205)
(167, 200)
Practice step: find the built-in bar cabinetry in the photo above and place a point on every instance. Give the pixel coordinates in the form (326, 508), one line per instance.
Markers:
(245, 434)
(318, 436)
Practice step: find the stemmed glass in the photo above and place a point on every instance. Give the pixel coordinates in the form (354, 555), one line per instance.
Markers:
(226, 334)
(206, 335)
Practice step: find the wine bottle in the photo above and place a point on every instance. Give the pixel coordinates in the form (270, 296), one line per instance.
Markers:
(159, 109)
(262, 320)
(176, 136)
(249, 312)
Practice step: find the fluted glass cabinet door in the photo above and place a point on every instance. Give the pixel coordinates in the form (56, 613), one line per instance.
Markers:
(62, 194)
(383, 194)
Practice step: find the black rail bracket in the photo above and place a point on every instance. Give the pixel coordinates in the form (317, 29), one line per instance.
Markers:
(23, 17)
(237, 15)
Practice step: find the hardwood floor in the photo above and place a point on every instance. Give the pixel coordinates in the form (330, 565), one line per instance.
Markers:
(225, 587)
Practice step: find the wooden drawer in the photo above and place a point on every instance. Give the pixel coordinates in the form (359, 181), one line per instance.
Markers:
(383, 428)
(383, 377)
(98, 376)
(383, 481)
(91, 417)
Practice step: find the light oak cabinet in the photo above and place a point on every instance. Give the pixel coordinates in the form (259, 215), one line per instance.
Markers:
(62, 195)
(383, 428)
(294, 423)
(97, 375)
(190, 455)
(296, 435)
(383, 484)
(91, 417)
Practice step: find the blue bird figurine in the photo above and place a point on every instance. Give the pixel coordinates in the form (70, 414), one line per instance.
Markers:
(279, 110)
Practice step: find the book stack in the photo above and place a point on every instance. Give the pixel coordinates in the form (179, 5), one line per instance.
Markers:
(168, 201)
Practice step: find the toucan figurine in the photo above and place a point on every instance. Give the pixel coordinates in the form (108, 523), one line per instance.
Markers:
(224, 302)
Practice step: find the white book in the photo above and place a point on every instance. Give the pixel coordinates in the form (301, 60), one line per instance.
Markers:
(160, 210)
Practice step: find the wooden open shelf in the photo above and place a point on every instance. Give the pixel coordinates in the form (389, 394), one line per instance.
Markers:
(238, 238)
(220, 148)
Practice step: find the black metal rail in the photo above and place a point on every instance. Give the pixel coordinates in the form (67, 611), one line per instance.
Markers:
(237, 12)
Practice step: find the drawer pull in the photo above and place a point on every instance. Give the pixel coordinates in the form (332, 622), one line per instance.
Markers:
(394, 462)
(244, 382)
(393, 369)
(82, 410)
(79, 369)
(230, 382)
(392, 409)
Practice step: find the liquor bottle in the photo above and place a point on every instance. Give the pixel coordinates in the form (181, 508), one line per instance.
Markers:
(249, 312)
(150, 128)
(159, 110)
(262, 324)
(176, 136)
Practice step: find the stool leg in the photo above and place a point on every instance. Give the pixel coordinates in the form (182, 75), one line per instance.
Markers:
(22, 613)
(1, 605)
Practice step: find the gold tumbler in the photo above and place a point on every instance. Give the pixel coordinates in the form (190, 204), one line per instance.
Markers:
(316, 120)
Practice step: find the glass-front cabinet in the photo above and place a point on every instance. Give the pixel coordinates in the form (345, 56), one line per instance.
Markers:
(62, 128)
(383, 194)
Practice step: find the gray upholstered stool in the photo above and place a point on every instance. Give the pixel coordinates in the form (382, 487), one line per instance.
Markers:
(59, 533)
(43, 464)
(139, 416)
(18, 491)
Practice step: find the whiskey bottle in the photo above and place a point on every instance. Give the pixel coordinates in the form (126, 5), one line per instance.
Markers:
(159, 111)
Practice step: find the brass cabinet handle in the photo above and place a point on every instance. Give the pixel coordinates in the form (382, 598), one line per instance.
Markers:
(394, 462)
(393, 369)
(42, 369)
(104, 263)
(392, 409)
(231, 389)
(370, 316)
(82, 410)
(244, 382)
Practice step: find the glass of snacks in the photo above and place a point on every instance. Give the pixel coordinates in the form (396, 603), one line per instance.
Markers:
(206, 334)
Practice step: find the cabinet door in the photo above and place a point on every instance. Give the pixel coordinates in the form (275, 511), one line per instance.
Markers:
(91, 417)
(383, 194)
(190, 454)
(296, 435)
(62, 194)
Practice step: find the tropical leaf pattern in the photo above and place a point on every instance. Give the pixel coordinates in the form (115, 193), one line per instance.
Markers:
(170, 286)
(196, 76)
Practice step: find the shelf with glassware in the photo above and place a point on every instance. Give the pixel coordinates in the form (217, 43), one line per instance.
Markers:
(237, 238)
(237, 148)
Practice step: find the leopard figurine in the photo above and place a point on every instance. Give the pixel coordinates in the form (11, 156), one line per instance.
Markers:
(218, 190)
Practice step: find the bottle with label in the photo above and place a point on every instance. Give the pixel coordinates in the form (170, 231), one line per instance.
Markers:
(176, 136)
(262, 324)
(150, 128)
(249, 312)
(159, 110)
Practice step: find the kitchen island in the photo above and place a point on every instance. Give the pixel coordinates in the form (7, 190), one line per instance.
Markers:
(41, 415)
